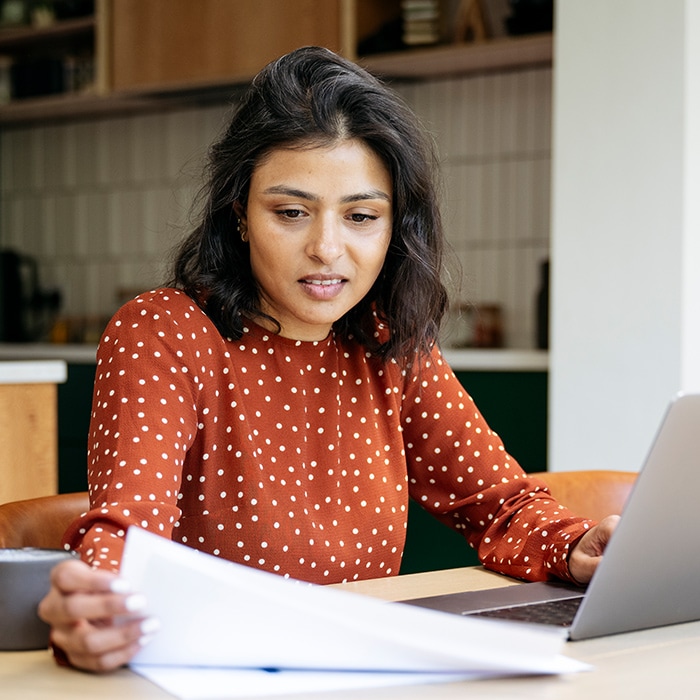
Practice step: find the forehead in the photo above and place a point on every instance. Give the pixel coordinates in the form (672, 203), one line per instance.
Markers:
(322, 158)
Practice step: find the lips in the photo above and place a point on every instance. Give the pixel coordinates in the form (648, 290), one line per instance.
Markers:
(323, 287)
(324, 283)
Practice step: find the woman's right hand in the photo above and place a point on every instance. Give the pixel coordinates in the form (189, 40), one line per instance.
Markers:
(94, 618)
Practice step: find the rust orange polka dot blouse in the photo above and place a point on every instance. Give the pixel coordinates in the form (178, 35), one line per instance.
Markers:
(296, 457)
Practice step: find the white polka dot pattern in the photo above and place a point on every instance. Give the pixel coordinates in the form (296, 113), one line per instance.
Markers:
(295, 457)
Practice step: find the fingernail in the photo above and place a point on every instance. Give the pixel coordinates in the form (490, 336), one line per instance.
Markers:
(135, 602)
(149, 626)
(119, 585)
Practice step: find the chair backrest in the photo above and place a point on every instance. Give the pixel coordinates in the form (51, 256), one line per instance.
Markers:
(40, 522)
(591, 493)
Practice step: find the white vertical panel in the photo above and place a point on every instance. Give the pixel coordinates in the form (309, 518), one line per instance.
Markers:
(491, 116)
(78, 241)
(86, 145)
(149, 148)
(541, 197)
(506, 85)
(64, 225)
(115, 165)
(473, 224)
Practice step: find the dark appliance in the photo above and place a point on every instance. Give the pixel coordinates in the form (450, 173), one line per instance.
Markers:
(26, 311)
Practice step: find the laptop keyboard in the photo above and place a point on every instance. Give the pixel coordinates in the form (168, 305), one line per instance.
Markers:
(553, 612)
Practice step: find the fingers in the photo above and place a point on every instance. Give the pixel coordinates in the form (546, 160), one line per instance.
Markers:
(588, 552)
(606, 528)
(95, 618)
(104, 647)
(74, 575)
(80, 592)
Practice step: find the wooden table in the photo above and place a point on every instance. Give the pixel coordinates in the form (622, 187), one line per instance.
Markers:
(655, 663)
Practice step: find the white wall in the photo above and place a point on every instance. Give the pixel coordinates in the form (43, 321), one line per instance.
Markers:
(625, 226)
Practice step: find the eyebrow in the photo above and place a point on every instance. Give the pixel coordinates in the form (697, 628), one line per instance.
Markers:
(301, 194)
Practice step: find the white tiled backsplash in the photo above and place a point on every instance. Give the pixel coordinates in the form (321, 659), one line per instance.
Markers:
(102, 203)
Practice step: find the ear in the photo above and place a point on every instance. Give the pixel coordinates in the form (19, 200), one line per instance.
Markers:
(239, 211)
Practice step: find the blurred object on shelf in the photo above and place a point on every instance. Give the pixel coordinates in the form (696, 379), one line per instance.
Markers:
(27, 311)
(474, 326)
(49, 75)
(530, 17)
(79, 330)
(542, 308)
(42, 14)
(5, 79)
(421, 22)
(124, 294)
(469, 23)
(14, 13)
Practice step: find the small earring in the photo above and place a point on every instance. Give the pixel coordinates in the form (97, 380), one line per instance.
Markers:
(242, 231)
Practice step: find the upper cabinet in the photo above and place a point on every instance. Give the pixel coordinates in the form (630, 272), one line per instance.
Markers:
(161, 45)
(128, 55)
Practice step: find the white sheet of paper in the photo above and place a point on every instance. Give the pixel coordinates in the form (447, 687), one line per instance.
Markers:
(201, 683)
(219, 615)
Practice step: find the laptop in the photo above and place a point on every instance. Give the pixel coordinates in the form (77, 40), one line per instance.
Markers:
(650, 574)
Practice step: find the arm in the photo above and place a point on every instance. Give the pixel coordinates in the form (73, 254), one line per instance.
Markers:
(144, 419)
(460, 472)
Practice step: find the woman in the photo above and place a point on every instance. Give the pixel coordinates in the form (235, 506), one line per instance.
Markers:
(277, 404)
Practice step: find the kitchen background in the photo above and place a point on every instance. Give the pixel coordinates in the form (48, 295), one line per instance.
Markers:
(101, 203)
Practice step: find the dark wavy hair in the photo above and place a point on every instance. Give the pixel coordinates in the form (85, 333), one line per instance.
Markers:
(313, 97)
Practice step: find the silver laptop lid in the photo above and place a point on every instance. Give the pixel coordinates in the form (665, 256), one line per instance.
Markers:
(650, 574)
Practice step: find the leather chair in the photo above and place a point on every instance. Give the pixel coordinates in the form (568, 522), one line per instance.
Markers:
(40, 522)
(590, 493)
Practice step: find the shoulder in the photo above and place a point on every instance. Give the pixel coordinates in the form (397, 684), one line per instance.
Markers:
(160, 313)
(165, 306)
(173, 302)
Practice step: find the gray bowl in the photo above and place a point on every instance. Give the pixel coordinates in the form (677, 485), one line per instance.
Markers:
(24, 581)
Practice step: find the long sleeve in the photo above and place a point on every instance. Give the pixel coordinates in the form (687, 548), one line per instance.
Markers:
(460, 471)
(143, 422)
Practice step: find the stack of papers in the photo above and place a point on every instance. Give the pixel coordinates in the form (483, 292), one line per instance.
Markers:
(230, 630)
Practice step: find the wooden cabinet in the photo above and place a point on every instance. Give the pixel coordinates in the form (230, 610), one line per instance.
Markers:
(28, 428)
(152, 54)
(179, 44)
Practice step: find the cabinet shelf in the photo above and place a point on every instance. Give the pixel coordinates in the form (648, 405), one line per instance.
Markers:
(417, 64)
(464, 59)
(19, 38)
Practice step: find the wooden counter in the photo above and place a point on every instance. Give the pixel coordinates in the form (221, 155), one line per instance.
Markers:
(28, 428)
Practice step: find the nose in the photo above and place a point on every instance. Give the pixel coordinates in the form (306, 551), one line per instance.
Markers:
(325, 240)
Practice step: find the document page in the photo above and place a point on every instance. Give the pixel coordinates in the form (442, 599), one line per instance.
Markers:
(219, 615)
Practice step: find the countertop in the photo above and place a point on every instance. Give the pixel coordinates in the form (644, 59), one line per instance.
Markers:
(33, 372)
(463, 359)
(72, 354)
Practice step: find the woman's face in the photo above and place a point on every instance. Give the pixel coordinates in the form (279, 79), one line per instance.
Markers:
(318, 224)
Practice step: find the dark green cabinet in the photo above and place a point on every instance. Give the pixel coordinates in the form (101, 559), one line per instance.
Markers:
(515, 405)
(74, 406)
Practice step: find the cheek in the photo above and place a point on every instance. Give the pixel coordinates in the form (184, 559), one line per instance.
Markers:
(380, 256)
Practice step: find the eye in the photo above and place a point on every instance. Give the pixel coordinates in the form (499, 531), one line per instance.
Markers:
(290, 213)
(359, 218)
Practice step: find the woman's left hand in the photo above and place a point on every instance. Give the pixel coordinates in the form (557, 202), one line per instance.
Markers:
(586, 555)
